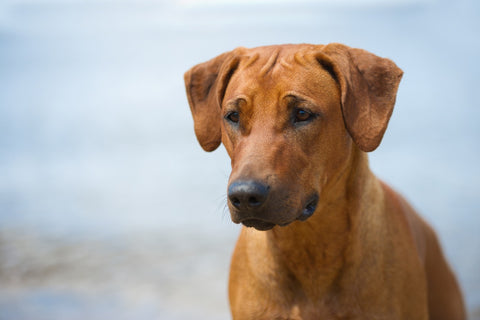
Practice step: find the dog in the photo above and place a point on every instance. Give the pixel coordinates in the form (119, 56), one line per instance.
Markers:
(322, 237)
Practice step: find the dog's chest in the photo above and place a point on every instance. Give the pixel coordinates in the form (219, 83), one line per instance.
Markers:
(288, 302)
(300, 311)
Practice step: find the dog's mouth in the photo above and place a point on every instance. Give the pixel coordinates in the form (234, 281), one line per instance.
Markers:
(310, 208)
(258, 224)
(263, 225)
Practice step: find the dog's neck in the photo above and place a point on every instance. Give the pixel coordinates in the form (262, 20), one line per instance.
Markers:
(324, 244)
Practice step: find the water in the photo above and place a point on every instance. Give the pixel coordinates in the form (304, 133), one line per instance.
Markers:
(109, 208)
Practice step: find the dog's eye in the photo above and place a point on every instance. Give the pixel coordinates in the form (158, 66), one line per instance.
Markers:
(233, 117)
(302, 115)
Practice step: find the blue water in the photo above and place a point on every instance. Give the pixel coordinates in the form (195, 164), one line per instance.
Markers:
(110, 209)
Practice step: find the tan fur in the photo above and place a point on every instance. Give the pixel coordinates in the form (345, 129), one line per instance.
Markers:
(364, 253)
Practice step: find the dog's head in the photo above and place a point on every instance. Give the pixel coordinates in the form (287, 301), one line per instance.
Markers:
(289, 117)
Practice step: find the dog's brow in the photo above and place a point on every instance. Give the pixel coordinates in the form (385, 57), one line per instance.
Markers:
(236, 102)
(297, 97)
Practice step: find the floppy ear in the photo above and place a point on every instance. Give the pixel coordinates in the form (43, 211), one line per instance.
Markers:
(368, 86)
(205, 84)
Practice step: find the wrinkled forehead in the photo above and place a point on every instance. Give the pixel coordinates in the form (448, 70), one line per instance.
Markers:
(279, 69)
(270, 60)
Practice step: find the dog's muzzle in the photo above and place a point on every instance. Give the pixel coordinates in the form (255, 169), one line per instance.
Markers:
(253, 204)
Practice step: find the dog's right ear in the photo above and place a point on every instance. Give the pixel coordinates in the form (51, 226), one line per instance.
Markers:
(206, 84)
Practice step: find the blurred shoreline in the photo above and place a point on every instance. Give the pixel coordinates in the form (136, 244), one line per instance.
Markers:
(129, 276)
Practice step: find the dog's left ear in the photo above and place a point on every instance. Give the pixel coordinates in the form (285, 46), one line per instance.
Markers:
(368, 86)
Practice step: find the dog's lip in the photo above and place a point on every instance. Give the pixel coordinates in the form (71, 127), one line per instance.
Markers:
(309, 208)
(258, 224)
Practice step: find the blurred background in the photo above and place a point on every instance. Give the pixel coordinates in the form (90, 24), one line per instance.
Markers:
(109, 209)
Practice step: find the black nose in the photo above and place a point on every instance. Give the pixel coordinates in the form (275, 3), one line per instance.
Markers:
(247, 194)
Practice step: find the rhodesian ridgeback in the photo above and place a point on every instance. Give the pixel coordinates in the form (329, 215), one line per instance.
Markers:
(323, 238)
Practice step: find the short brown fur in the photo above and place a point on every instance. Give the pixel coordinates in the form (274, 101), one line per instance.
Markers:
(364, 253)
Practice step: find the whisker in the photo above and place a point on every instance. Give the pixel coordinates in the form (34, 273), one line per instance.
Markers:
(223, 206)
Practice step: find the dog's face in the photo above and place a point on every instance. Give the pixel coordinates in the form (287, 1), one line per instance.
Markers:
(280, 120)
(289, 120)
